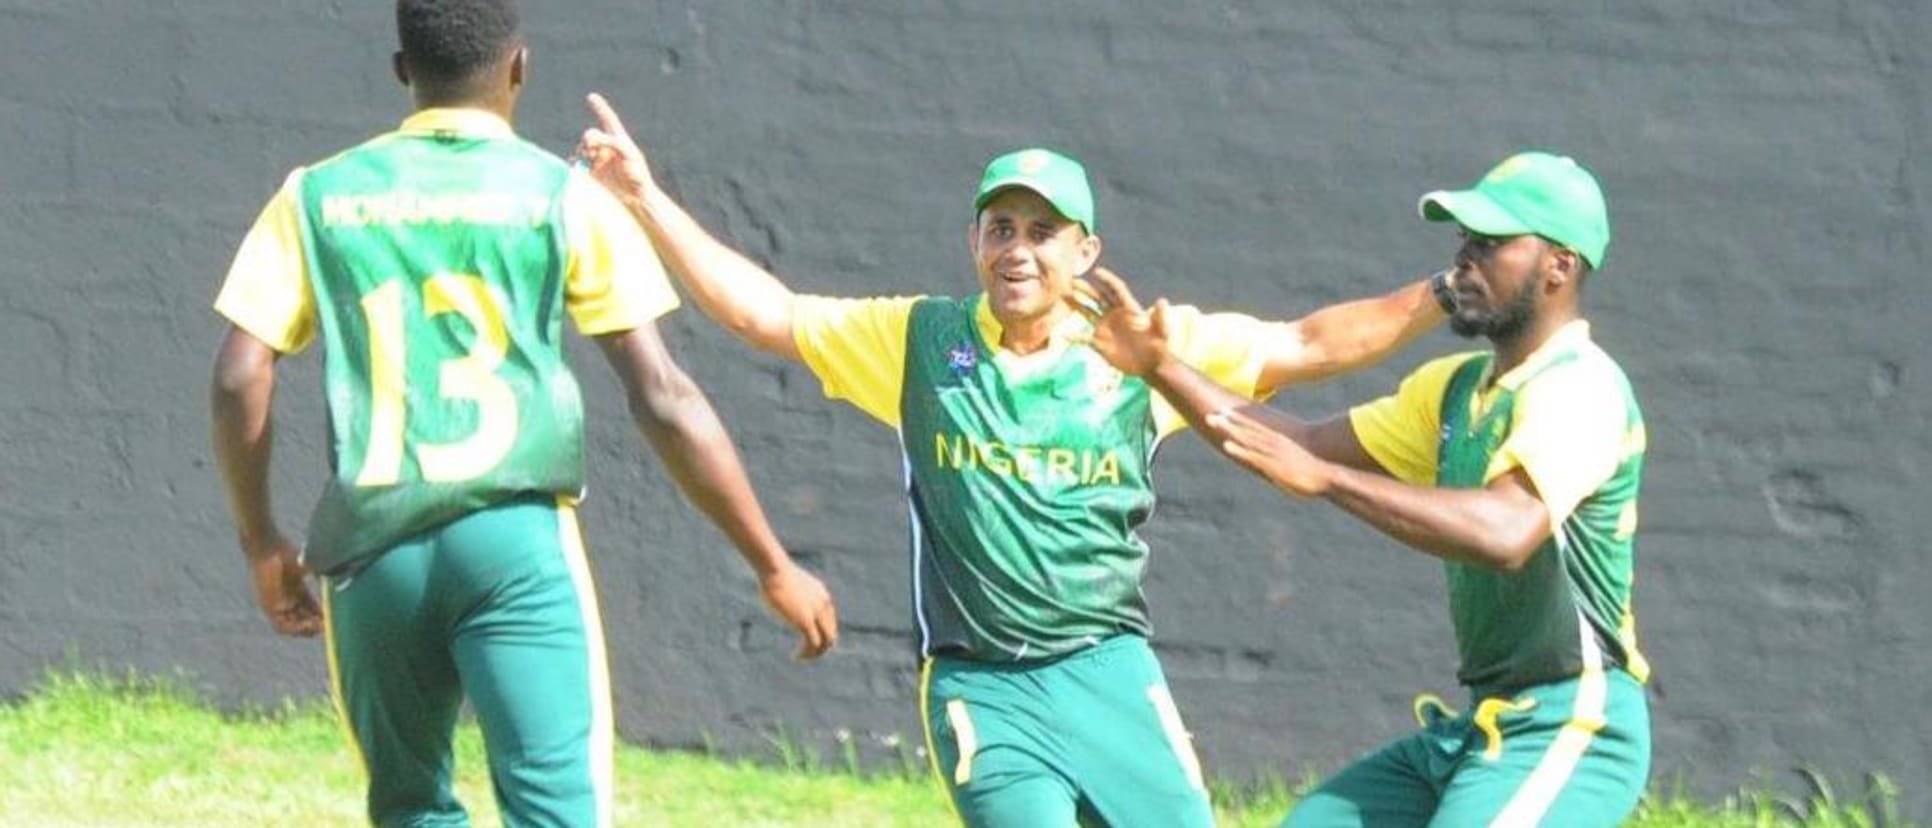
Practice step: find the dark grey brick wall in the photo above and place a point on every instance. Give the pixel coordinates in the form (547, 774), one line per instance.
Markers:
(1766, 290)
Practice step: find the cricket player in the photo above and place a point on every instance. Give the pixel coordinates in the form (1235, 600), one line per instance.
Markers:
(1026, 475)
(1518, 466)
(436, 263)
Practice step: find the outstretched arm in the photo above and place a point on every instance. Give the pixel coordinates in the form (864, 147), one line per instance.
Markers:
(1499, 526)
(677, 419)
(1134, 339)
(730, 288)
(240, 396)
(1348, 336)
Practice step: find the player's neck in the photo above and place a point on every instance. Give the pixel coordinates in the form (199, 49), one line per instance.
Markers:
(501, 105)
(1517, 350)
(1030, 336)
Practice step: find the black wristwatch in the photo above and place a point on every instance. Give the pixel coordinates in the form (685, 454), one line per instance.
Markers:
(1445, 292)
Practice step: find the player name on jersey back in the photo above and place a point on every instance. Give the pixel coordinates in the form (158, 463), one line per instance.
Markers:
(399, 208)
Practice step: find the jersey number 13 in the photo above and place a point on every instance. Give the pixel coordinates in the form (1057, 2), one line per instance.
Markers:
(471, 376)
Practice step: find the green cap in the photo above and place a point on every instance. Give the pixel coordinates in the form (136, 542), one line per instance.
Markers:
(1532, 192)
(1058, 179)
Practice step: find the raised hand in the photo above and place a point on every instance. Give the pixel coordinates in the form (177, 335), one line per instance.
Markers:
(1271, 454)
(801, 600)
(611, 156)
(282, 590)
(1130, 337)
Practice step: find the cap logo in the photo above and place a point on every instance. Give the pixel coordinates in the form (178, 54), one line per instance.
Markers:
(1034, 161)
(1510, 167)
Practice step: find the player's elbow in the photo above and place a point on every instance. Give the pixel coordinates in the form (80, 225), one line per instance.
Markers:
(668, 401)
(1511, 548)
(240, 371)
(769, 331)
(1313, 350)
(1508, 561)
(1359, 346)
(745, 324)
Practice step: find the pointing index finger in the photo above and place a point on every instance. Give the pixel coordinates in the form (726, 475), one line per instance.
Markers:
(606, 115)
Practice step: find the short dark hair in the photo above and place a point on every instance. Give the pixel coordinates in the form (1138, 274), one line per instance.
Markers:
(451, 41)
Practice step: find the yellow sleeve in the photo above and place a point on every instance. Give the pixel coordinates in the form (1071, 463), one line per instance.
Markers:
(1567, 434)
(1402, 431)
(267, 291)
(1224, 347)
(857, 348)
(613, 280)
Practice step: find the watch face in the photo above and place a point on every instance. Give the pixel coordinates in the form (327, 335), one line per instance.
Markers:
(1445, 295)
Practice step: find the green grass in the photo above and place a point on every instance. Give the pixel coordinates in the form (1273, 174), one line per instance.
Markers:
(82, 750)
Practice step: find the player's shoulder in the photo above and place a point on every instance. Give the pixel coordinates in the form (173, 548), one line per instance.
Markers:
(1193, 332)
(1425, 385)
(930, 301)
(815, 310)
(539, 156)
(1586, 385)
(1587, 369)
(1439, 370)
(928, 309)
(353, 153)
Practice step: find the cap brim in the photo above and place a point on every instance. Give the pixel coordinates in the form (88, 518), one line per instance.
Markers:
(1473, 210)
(1031, 185)
(987, 192)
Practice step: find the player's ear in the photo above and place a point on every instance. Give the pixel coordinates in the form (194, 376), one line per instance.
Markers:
(1089, 247)
(972, 238)
(401, 67)
(519, 64)
(1565, 266)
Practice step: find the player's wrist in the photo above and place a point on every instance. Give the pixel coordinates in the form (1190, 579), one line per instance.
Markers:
(1160, 364)
(1330, 479)
(771, 565)
(261, 542)
(1442, 286)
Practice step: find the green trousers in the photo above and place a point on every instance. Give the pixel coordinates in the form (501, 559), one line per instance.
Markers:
(1571, 753)
(1091, 738)
(498, 607)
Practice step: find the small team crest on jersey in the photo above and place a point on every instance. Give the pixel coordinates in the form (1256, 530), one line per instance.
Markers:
(1102, 379)
(962, 358)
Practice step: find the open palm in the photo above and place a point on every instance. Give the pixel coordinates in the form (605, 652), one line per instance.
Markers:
(1130, 337)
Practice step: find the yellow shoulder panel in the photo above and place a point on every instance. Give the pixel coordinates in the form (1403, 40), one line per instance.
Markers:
(613, 280)
(857, 348)
(267, 291)
(1402, 431)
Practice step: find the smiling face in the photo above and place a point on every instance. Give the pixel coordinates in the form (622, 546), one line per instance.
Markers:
(1027, 256)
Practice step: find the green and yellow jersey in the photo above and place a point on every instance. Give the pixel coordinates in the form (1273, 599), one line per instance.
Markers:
(1568, 418)
(436, 262)
(1026, 475)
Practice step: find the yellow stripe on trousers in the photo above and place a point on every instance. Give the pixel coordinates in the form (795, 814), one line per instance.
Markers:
(603, 733)
(336, 694)
(1533, 800)
(932, 744)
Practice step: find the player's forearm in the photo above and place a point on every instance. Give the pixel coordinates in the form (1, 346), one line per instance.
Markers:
(1353, 335)
(242, 437)
(728, 286)
(699, 455)
(1470, 526)
(1196, 396)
